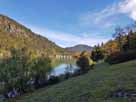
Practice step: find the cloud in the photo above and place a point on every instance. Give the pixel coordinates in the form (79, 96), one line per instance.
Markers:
(67, 39)
(128, 7)
(108, 17)
(101, 18)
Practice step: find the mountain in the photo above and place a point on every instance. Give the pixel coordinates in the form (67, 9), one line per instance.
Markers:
(15, 35)
(79, 48)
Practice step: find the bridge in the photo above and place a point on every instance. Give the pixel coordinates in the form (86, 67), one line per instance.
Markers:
(61, 57)
(65, 57)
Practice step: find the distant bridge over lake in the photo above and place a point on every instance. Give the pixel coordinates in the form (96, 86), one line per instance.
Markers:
(62, 57)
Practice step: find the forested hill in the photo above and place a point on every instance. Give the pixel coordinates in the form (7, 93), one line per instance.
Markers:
(80, 48)
(15, 35)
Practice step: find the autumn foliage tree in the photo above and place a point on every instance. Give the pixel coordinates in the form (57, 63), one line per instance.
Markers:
(124, 48)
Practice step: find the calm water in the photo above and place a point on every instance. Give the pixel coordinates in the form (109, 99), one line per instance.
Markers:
(64, 67)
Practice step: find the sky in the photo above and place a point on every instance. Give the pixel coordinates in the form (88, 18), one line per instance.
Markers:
(72, 22)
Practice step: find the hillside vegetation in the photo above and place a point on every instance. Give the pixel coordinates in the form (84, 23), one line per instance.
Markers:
(15, 35)
(95, 86)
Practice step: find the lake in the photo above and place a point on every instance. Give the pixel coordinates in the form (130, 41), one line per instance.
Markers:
(63, 67)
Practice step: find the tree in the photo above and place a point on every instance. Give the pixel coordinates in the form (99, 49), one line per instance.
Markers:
(118, 35)
(39, 69)
(111, 47)
(97, 53)
(83, 63)
(19, 70)
(14, 69)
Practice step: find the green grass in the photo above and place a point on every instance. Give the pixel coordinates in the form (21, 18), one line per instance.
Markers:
(95, 86)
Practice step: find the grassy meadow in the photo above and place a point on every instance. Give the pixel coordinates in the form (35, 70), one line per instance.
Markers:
(95, 86)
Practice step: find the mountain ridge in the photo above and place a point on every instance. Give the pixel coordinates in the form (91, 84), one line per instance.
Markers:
(80, 48)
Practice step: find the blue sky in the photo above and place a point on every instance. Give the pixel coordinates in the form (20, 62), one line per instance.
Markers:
(71, 22)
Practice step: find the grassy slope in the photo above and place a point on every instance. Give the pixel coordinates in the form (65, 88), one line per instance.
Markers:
(94, 86)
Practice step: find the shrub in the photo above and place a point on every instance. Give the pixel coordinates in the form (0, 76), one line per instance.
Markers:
(121, 57)
(14, 69)
(53, 80)
(83, 63)
(18, 70)
(38, 69)
(97, 54)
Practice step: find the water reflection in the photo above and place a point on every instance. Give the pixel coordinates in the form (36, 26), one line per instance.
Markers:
(64, 68)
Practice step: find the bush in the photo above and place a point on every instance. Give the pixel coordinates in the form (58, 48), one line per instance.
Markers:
(39, 69)
(121, 57)
(53, 80)
(19, 70)
(97, 54)
(83, 63)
